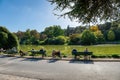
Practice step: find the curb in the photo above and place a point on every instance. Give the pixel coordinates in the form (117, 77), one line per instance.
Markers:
(69, 59)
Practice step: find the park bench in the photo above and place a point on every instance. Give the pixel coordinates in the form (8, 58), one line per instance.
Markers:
(84, 54)
(2, 50)
(34, 52)
(11, 52)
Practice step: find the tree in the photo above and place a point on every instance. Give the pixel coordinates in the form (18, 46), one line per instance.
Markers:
(88, 38)
(43, 36)
(94, 28)
(74, 39)
(117, 33)
(12, 41)
(35, 34)
(3, 39)
(69, 31)
(7, 39)
(88, 10)
(104, 27)
(99, 36)
(53, 31)
(60, 40)
(111, 35)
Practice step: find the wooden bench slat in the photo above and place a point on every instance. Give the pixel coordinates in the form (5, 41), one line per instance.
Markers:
(83, 54)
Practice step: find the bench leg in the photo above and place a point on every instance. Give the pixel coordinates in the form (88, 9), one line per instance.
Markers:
(85, 57)
(42, 55)
(89, 57)
(75, 57)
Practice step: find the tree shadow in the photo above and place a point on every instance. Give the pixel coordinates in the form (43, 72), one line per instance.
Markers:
(3, 56)
(53, 60)
(32, 59)
(12, 58)
(81, 61)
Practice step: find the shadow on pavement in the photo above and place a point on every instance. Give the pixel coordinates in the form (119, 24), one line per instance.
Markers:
(81, 61)
(12, 58)
(32, 59)
(53, 60)
(3, 56)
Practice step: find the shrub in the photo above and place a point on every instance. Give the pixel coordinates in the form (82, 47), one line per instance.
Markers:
(88, 38)
(41, 42)
(49, 41)
(94, 56)
(111, 35)
(8, 40)
(56, 40)
(99, 36)
(115, 56)
(74, 39)
(60, 40)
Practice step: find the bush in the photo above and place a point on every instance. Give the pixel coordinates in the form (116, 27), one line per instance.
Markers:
(94, 56)
(3, 40)
(13, 41)
(88, 38)
(115, 56)
(60, 40)
(74, 39)
(111, 35)
(99, 37)
(49, 41)
(55, 41)
(8, 40)
(102, 56)
(41, 42)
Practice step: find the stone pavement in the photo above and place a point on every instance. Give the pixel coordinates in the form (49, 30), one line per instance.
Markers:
(16, 68)
(11, 77)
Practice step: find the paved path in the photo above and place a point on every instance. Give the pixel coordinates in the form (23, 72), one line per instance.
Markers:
(38, 69)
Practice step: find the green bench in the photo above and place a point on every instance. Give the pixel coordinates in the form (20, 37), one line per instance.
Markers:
(84, 54)
(34, 52)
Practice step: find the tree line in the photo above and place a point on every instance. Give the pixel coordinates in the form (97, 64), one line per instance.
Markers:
(79, 35)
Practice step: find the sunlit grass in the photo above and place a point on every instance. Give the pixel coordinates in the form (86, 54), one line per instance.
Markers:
(66, 49)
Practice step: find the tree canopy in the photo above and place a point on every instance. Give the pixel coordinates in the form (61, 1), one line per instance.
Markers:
(7, 39)
(87, 11)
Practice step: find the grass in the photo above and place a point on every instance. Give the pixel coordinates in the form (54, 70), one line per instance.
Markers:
(106, 50)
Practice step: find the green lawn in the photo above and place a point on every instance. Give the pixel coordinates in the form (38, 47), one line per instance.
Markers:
(98, 50)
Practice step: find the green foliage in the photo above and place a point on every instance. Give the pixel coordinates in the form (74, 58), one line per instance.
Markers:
(88, 38)
(60, 40)
(88, 10)
(49, 41)
(53, 31)
(115, 56)
(99, 37)
(28, 37)
(7, 40)
(111, 35)
(117, 33)
(74, 39)
(3, 29)
(13, 41)
(50, 34)
(74, 30)
(3, 40)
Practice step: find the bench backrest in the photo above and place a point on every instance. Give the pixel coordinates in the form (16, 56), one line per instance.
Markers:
(83, 53)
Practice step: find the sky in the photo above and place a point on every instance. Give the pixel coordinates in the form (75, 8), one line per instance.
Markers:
(20, 15)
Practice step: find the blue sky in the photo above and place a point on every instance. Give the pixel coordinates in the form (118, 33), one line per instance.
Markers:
(30, 14)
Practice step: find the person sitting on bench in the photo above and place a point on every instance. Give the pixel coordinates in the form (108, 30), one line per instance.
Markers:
(74, 51)
(85, 52)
